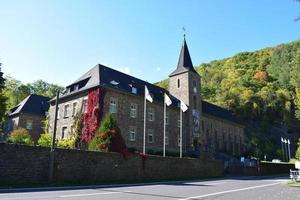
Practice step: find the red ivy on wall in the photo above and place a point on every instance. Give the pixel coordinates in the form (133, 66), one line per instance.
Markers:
(93, 115)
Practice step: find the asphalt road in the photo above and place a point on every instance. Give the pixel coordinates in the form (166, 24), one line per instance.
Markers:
(271, 188)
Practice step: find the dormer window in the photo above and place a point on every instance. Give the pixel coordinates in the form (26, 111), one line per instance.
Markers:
(134, 90)
(76, 87)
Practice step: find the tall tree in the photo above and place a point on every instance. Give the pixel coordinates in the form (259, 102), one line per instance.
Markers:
(2, 97)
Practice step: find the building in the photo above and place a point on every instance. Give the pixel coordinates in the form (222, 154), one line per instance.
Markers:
(29, 114)
(207, 128)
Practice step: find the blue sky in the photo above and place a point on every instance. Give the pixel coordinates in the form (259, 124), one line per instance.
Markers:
(58, 41)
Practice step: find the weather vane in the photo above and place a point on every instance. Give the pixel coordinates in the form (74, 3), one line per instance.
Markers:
(183, 29)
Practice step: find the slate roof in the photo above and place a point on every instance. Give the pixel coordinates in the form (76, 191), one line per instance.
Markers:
(185, 62)
(32, 104)
(101, 75)
(216, 111)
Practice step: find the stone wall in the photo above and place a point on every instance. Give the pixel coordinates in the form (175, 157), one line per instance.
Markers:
(21, 164)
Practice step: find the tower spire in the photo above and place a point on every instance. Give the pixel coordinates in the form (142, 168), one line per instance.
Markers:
(185, 62)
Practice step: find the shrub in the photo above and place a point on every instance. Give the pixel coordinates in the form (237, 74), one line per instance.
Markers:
(45, 140)
(20, 136)
(108, 138)
(66, 143)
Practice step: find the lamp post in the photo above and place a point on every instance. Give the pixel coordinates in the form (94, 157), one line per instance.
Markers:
(52, 153)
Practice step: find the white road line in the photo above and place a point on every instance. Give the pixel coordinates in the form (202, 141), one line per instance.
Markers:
(88, 194)
(230, 191)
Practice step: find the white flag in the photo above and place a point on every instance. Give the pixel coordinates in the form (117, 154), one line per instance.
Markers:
(282, 139)
(147, 94)
(183, 106)
(288, 141)
(167, 100)
(285, 141)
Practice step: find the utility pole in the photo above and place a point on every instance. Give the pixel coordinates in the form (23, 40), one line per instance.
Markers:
(52, 151)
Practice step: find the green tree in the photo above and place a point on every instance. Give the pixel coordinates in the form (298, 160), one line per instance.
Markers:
(43, 88)
(3, 98)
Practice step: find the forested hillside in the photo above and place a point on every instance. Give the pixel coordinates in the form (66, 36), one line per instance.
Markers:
(262, 88)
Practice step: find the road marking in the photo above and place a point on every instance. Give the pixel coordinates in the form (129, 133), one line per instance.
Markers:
(88, 194)
(230, 191)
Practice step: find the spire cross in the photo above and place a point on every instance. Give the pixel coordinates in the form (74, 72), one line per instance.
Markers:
(183, 29)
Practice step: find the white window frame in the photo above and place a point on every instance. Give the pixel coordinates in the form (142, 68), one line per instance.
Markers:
(64, 135)
(84, 104)
(66, 111)
(150, 133)
(57, 112)
(113, 105)
(72, 130)
(74, 108)
(133, 110)
(29, 124)
(132, 132)
(134, 90)
(151, 114)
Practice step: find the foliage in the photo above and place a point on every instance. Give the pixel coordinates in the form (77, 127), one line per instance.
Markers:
(297, 156)
(78, 129)
(3, 99)
(45, 140)
(67, 143)
(93, 115)
(15, 91)
(20, 136)
(108, 138)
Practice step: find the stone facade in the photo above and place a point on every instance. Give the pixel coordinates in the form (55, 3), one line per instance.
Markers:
(33, 123)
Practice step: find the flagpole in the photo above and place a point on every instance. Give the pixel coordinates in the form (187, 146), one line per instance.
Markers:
(165, 107)
(289, 150)
(144, 139)
(180, 133)
(285, 146)
(283, 151)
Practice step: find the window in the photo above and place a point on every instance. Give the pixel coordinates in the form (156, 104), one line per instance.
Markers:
(72, 130)
(167, 138)
(132, 134)
(151, 114)
(167, 118)
(178, 122)
(178, 140)
(29, 124)
(113, 105)
(66, 110)
(194, 87)
(84, 105)
(178, 83)
(57, 112)
(64, 132)
(150, 136)
(74, 109)
(134, 90)
(133, 110)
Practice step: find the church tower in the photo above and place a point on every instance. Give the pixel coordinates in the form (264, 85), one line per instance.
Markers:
(185, 85)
